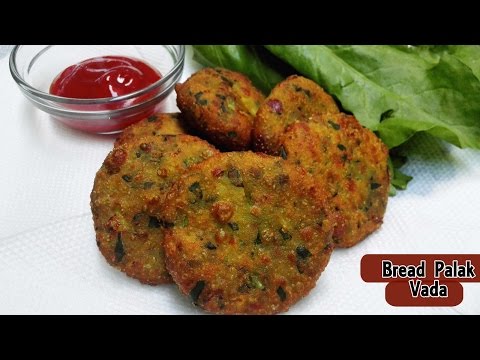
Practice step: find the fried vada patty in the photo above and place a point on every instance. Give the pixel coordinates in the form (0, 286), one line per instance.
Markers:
(134, 177)
(251, 234)
(294, 99)
(221, 105)
(156, 124)
(351, 162)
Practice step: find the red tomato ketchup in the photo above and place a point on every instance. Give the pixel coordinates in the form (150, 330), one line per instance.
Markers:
(105, 77)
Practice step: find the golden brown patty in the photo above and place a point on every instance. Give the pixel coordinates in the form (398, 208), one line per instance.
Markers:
(351, 162)
(157, 124)
(134, 177)
(294, 99)
(221, 105)
(251, 234)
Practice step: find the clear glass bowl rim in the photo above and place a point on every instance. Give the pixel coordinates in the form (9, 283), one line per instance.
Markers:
(178, 62)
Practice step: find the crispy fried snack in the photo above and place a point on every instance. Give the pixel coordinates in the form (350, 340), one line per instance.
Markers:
(220, 105)
(134, 178)
(349, 161)
(251, 234)
(157, 124)
(294, 99)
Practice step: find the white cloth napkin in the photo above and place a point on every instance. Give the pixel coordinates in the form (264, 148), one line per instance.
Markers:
(49, 262)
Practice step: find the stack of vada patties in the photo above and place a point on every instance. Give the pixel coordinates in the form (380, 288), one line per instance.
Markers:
(239, 199)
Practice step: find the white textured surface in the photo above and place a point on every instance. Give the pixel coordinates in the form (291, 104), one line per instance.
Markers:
(5, 50)
(49, 262)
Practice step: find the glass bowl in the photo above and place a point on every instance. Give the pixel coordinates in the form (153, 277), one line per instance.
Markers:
(34, 67)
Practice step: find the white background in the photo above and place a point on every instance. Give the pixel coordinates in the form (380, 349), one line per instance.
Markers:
(49, 262)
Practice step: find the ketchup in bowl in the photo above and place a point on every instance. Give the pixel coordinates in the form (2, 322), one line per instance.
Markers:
(105, 77)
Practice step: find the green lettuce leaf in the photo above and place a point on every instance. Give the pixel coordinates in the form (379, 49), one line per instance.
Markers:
(398, 180)
(249, 60)
(468, 54)
(397, 91)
